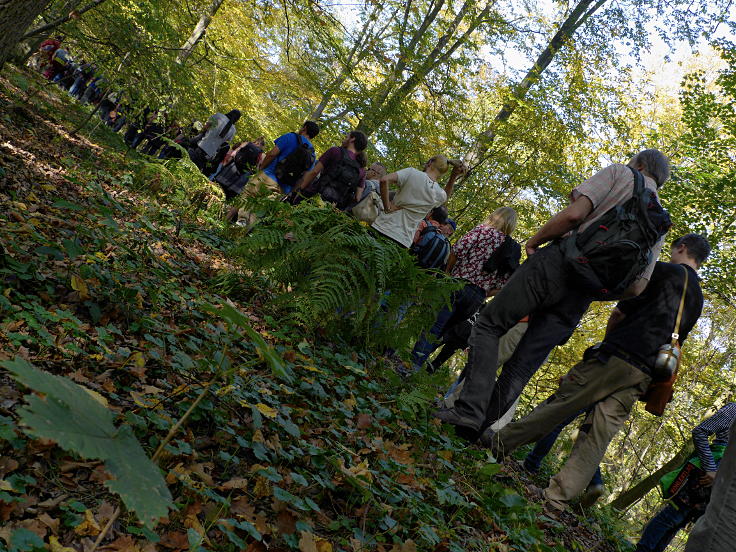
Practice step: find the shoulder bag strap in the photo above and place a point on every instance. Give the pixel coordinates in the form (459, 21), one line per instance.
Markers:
(676, 333)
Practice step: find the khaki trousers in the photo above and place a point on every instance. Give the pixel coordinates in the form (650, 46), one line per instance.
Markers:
(258, 184)
(613, 387)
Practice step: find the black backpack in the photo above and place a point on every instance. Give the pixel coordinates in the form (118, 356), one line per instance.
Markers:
(293, 166)
(609, 255)
(231, 180)
(338, 184)
(432, 249)
(246, 159)
(504, 260)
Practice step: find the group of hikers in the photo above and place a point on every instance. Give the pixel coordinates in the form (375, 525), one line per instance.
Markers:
(603, 246)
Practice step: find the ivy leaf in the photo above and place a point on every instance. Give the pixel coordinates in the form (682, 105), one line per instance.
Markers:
(73, 418)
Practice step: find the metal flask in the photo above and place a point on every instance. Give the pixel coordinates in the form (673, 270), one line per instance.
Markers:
(668, 357)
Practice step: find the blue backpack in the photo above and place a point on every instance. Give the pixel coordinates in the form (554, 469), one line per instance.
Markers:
(432, 249)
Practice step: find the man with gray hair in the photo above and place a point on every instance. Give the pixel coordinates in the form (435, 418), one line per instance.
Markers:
(547, 288)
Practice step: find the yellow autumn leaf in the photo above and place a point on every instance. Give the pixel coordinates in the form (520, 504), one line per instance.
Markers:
(79, 285)
(96, 396)
(56, 546)
(266, 410)
(88, 527)
(324, 545)
(350, 403)
(6, 486)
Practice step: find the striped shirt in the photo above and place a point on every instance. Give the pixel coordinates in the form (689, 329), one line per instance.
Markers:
(718, 425)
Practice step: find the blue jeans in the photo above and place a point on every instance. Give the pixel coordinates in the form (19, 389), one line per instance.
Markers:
(533, 460)
(463, 304)
(662, 528)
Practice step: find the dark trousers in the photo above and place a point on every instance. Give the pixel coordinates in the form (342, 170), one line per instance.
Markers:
(198, 157)
(533, 460)
(662, 528)
(541, 288)
(463, 305)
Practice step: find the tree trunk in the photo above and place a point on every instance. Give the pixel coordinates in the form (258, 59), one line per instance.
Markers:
(15, 17)
(581, 13)
(637, 492)
(199, 30)
(394, 91)
(67, 15)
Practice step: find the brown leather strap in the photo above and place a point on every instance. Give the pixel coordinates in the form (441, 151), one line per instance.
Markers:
(676, 333)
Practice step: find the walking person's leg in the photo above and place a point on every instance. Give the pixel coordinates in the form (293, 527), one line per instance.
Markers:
(547, 328)
(533, 460)
(538, 283)
(661, 529)
(627, 384)
(715, 531)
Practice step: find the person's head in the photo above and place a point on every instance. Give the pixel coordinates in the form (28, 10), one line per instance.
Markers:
(233, 115)
(693, 247)
(260, 141)
(449, 227)
(310, 129)
(375, 172)
(503, 219)
(437, 165)
(652, 163)
(439, 214)
(357, 139)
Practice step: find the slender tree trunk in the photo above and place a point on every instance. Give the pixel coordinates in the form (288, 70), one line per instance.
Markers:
(15, 17)
(199, 30)
(635, 493)
(579, 15)
(67, 15)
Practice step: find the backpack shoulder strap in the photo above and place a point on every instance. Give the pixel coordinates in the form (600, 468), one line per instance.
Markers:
(639, 184)
(676, 333)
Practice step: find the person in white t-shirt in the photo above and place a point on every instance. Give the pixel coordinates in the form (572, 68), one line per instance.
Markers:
(219, 129)
(418, 194)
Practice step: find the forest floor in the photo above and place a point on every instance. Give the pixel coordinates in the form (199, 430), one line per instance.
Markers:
(293, 445)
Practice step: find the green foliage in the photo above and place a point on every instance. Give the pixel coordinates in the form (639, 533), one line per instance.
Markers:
(335, 273)
(78, 422)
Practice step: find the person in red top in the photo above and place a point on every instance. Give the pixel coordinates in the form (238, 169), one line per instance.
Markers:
(47, 49)
(466, 262)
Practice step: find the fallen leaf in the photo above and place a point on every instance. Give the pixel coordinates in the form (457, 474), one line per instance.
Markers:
(51, 523)
(80, 286)
(266, 410)
(235, 483)
(89, 526)
(56, 546)
(364, 421)
(307, 542)
(286, 523)
(175, 540)
(124, 543)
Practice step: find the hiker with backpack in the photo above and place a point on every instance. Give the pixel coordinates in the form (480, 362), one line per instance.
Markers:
(483, 259)
(431, 243)
(339, 174)
(218, 130)
(688, 488)
(603, 246)
(715, 531)
(369, 204)
(291, 156)
(638, 359)
(419, 193)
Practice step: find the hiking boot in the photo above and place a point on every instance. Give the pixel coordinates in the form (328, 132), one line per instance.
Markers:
(591, 495)
(450, 416)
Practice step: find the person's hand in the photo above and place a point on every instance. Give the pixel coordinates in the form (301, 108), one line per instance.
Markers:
(462, 168)
(531, 248)
(390, 208)
(708, 479)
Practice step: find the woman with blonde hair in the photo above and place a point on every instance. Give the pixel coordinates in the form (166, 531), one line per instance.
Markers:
(419, 193)
(484, 259)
